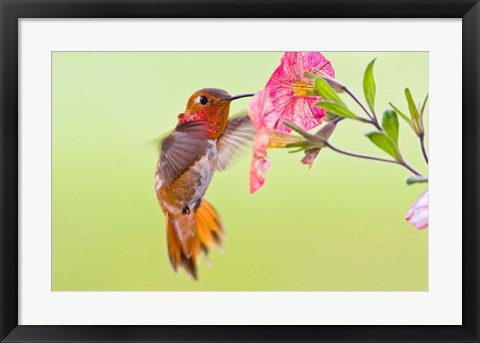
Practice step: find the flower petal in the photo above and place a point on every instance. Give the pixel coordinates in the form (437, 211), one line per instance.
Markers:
(299, 110)
(258, 168)
(418, 214)
(260, 163)
(294, 65)
(286, 89)
(285, 97)
(262, 138)
(307, 61)
(258, 108)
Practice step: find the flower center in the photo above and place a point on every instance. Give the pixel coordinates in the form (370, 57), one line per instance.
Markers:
(303, 88)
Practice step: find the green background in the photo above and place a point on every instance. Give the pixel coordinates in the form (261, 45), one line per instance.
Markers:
(339, 226)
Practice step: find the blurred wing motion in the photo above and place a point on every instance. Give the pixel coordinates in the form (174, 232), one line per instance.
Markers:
(238, 133)
(182, 149)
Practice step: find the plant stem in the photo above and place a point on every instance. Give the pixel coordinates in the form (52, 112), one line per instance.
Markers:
(343, 152)
(349, 92)
(320, 143)
(401, 162)
(424, 151)
(373, 118)
(406, 165)
(375, 123)
(338, 119)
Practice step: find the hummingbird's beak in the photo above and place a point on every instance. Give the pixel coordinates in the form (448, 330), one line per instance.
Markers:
(234, 97)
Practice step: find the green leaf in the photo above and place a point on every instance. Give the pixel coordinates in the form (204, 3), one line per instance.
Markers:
(416, 179)
(310, 75)
(299, 130)
(336, 86)
(326, 92)
(381, 140)
(369, 88)
(302, 144)
(401, 114)
(423, 106)
(296, 128)
(337, 109)
(390, 124)
(417, 122)
(411, 106)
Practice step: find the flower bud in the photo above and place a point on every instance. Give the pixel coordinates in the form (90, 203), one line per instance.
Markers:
(324, 133)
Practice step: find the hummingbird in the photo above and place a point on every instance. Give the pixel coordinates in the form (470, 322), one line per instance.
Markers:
(204, 141)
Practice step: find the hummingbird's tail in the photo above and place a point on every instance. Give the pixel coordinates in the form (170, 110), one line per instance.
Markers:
(190, 234)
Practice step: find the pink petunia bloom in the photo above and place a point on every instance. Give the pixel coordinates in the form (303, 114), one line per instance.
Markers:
(288, 95)
(418, 214)
(265, 137)
(291, 91)
(258, 107)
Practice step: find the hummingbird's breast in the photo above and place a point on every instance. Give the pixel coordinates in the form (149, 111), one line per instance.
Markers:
(187, 191)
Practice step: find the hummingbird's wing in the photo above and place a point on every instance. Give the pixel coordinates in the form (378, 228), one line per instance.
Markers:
(239, 132)
(182, 148)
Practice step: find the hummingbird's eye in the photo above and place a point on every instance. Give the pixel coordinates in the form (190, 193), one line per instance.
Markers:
(203, 100)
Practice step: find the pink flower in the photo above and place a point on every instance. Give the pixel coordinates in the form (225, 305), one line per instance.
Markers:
(258, 107)
(418, 214)
(288, 95)
(291, 91)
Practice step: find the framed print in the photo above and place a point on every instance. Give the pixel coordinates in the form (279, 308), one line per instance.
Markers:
(262, 177)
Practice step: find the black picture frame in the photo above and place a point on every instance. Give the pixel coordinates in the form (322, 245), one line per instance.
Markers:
(12, 11)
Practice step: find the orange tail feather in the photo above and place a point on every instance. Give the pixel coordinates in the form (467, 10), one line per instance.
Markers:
(186, 242)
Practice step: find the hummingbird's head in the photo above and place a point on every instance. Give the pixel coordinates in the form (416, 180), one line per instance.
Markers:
(212, 105)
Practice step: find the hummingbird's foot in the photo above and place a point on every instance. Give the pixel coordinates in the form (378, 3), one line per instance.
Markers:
(186, 210)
